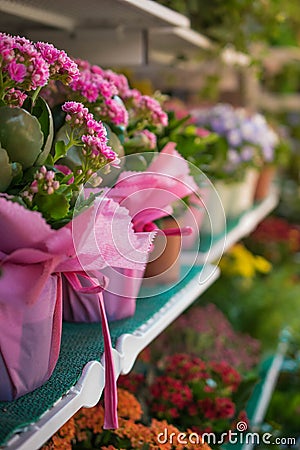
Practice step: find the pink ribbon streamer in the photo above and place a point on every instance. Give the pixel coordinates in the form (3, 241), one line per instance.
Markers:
(110, 389)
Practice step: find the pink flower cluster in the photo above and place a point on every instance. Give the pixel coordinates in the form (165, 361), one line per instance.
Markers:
(21, 63)
(98, 86)
(148, 138)
(95, 151)
(61, 67)
(44, 182)
(147, 109)
(15, 97)
(27, 67)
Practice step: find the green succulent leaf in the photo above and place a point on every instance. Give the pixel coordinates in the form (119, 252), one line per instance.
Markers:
(17, 172)
(54, 206)
(20, 135)
(43, 113)
(6, 173)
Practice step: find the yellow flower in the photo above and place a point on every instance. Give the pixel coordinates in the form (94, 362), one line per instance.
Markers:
(239, 261)
(262, 265)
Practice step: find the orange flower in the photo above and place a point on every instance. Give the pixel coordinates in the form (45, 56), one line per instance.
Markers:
(110, 447)
(128, 406)
(89, 419)
(63, 438)
(162, 426)
(137, 433)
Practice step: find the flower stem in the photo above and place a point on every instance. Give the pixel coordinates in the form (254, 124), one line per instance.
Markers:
(35, 94)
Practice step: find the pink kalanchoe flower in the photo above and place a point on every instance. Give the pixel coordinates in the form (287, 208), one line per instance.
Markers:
(44, 182)
(62, 67)
(17, 71)
(95, 152)
(66, 171)
(76, 113)
(15, 97)
(82, 64)
(86, 85)
(151, 138)
(115, 111)
(6, 48)
(119, 81)
(149, 109)
(22, 65)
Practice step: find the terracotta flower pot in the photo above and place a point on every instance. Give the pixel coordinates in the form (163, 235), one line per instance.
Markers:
(164, 264)
(264, 182)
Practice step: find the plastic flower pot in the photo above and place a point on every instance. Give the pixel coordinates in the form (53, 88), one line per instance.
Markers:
(242, 195)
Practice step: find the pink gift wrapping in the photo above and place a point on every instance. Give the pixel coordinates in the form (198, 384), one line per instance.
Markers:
(118, 246)
(33, 256)
(79, 306)
(148, 196)
(30, 299)
(30, 334)
(125, 284)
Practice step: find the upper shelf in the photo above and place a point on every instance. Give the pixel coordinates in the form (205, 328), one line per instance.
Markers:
(111, 32)
(71, 15)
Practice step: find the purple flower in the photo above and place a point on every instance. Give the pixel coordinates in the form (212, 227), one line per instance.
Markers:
(247, 153)
(268, 153)
(234, 137)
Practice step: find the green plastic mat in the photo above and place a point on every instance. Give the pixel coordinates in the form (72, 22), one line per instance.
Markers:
(206, 241)
(81, 343)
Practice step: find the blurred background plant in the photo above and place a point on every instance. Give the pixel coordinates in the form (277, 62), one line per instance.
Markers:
(241, 23)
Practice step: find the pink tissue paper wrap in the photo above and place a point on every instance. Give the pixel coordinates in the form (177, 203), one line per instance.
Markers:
(107, 231)
(148, 196)
(33, 259)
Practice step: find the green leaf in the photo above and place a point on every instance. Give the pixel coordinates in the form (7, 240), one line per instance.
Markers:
(54, 206)
(60, 150)
(6, 174)
(28, 104)
(43, 113)
(20, 135)
(49, 161)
